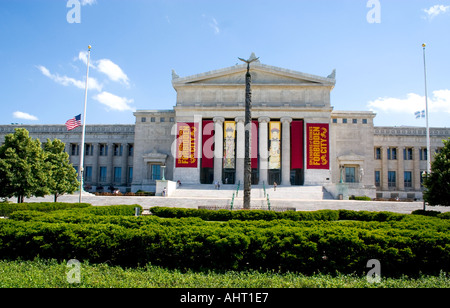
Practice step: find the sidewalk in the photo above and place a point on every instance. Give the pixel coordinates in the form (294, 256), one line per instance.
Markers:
(193, 197)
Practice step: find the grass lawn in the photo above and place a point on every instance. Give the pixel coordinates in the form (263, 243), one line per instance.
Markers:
(51, 274)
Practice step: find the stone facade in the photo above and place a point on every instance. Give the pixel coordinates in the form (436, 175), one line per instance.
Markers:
(374, 161)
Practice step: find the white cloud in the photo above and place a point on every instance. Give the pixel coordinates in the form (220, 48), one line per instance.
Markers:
(88, 2)
(439, 101)
(114, 102)
(24, 116)
(436, 10)
(112, 70)
(68, 81)
(107, 67)
(213, 24)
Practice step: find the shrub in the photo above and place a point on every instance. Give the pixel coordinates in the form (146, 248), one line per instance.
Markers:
(7, 208)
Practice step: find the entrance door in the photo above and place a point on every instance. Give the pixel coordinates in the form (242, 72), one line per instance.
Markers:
(207, 176)
(229, 176)
(297, 177)
(274, 177)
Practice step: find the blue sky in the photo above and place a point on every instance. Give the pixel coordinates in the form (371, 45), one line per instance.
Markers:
(375, 46)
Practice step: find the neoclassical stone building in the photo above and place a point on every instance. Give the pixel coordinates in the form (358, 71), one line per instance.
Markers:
(297, 139)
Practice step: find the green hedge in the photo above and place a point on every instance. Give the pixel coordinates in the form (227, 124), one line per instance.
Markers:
(7, 208)
(226, 215)
(323, 215)
(408, 246)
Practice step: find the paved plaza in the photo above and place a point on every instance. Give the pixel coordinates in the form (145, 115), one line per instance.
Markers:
(306, 198)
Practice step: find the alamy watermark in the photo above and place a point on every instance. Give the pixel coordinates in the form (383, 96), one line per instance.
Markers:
(73, 274)
(374, 14)
(374, 275)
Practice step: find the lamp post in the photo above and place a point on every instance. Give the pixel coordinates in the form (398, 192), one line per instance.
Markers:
(248, 133)
(426, 111)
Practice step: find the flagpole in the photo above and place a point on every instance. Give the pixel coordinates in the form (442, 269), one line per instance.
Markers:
(83, 134)
(426, 113)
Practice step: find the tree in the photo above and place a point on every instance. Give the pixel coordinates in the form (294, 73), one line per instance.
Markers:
(437, 184)
(63, 177)
(23, 169)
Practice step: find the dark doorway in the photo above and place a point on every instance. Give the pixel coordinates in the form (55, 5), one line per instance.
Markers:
(274, 176)
(297, 177)
(229, 176)
(207, 176)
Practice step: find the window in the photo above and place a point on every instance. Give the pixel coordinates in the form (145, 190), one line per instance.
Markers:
(117, 174)
(102, 177)
(172, 119)
(162, 120)
(364, 121)
(423, 154)
(392, 179)
(118, 150)
(392, 153)
(344, 121)
(377, 178)
(355, 121)
(89, 150)
(130, 150)
(408, 154)
(130, 174)
(350, 173)
(334, 121)
(156, 172)
(378, 153)
(74, 149)
(88, 174)
(103, 150)
(408, 179)
(153, 119)
(143, 119)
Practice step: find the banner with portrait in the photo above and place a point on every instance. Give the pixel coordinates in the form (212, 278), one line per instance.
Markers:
(229, 149)
(275, 145)
(187, 145)
(318, 146)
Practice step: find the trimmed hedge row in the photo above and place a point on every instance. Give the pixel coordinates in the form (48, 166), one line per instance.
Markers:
(7, 208)
(323, 215)
(408, 246)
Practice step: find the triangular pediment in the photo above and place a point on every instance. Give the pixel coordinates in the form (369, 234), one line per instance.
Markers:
(261, 75)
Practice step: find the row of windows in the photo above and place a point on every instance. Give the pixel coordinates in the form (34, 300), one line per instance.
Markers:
(354, 121)
(153, 119)
(392, 153)
(118, 149)
(103, 172)
(392, 179)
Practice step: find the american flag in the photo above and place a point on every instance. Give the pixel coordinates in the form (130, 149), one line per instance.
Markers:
(73, 123)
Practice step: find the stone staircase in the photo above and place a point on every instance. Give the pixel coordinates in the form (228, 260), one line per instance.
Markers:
(207, 195)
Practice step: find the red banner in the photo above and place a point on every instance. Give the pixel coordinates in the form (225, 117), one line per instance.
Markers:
(208, 144)
(318, 144)
(297, 145)
(187, 145)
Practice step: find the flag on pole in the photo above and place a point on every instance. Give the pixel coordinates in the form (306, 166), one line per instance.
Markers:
(420, 114)
(73, 123)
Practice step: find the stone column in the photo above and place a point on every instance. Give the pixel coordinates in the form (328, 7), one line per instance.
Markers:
(416, 173)
(218, 148)
(124, 164)
(400, 169)
(384, 169)
(95, 166)
(110, 164)
(240, 149)
(263, 149)
(286, 151)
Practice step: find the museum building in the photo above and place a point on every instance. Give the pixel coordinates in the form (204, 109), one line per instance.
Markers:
(297, 139)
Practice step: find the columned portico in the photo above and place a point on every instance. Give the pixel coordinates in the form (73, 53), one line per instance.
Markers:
(263, 149)
(286, 151)
(240, 148)
(218, 148)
